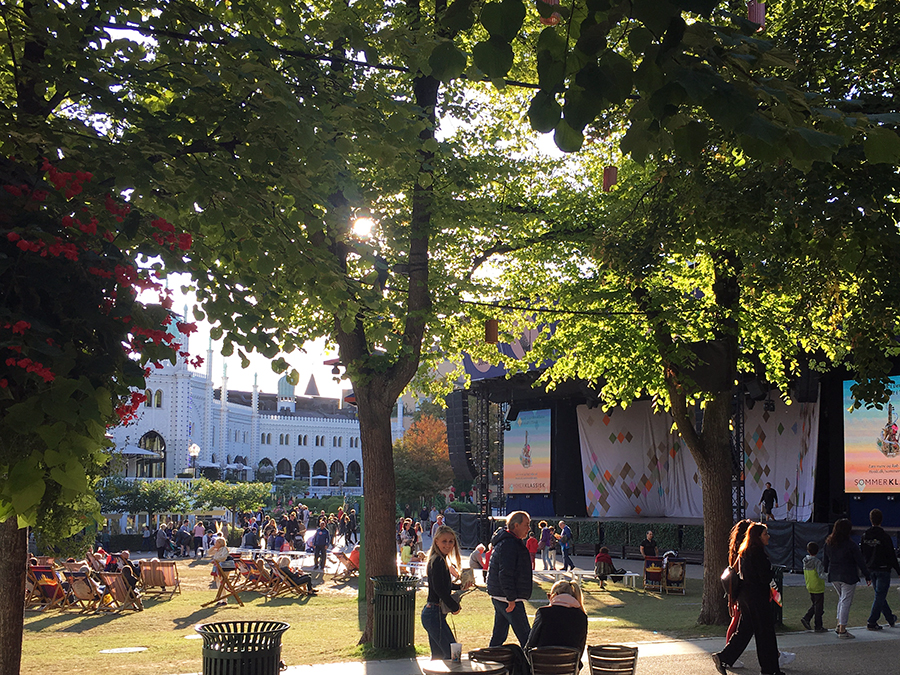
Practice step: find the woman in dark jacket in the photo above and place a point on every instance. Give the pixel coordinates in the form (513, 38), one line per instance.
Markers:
(755, 597)
(563, 623)
(842, 560)
(440, 591)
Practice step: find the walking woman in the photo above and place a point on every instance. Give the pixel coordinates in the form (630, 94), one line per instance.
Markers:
(440, 591)
(546, 544)
(842, 560)
(755, 597)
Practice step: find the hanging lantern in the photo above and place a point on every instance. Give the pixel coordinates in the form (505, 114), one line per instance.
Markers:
(492, 331)
(554, 18)
(610, 177)
(756, 12)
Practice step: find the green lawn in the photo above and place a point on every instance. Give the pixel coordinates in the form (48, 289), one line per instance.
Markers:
(326, 628)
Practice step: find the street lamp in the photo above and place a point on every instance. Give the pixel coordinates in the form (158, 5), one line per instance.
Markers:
(194, 452)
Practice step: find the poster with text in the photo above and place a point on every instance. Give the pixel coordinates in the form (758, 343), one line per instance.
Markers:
(872, 444)
(526, 458)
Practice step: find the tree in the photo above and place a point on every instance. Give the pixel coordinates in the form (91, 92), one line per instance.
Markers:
(422, 461)
(236, 497)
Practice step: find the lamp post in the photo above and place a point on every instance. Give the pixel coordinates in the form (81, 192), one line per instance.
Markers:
(194, 452)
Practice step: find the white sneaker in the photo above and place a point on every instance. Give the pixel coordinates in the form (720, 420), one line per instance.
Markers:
(737, 665)
(785, 658)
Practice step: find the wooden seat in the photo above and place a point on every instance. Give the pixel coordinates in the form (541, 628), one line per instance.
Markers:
(503, 654)
(46, 589)
(120, 595)
(248, 577)
(284, 585)
(554, 660)
(160, 577)
(653, 572)
(612, 659)
(226, 587)
(346, 567)
(84, 593)
(675, 574)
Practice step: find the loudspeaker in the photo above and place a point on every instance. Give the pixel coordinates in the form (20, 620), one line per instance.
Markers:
(458, 439)
(806, 388)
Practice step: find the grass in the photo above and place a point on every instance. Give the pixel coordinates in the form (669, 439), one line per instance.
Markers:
(326, 628)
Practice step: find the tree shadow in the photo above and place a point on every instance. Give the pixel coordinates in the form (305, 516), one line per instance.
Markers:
(85, 622)
(201, 615)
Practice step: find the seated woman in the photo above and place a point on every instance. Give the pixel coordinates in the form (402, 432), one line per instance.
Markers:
(284, 564)
(603, 566)
(562, 623)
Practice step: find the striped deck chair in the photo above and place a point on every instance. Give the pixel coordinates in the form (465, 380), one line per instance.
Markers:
(121, 597)
(346, 569)
(160, 576)
(84, 593)
(226, 587)
(285, 585)
(46, 590)
(249, 578)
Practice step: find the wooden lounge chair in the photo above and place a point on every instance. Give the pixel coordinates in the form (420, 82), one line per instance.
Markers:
(248, 578)
(346, 568)
(653, 572)
(226, 587)
(121, 596)
(84, 593)
(160, 577)
(674, 576)
(612, 659)
(554, 660)
(284, 585)
(46, 590)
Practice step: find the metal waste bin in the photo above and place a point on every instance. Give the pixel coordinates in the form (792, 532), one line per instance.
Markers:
(778, 578)
(242, 647)
(395, 612)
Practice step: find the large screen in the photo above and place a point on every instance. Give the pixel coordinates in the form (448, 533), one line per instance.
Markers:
(526, 456)
(872, 444)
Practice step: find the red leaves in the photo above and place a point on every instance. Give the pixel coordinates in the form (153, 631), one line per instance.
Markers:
(186, 328)
(30, 366)
(19, 327)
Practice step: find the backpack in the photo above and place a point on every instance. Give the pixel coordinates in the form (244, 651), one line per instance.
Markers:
(731, 582)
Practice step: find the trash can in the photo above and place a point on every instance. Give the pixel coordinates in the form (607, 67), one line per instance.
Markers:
(395, 612)
(242, 647)
(778, 578)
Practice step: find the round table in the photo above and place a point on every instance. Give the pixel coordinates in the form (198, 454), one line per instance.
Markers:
(464, 666)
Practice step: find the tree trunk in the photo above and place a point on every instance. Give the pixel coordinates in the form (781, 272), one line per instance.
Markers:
(378, 488)
(13, 544)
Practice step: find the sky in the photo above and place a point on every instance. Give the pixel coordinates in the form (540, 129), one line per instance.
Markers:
(239, 378)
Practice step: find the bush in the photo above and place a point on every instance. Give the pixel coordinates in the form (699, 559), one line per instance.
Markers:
(464, 507)
(615, 534)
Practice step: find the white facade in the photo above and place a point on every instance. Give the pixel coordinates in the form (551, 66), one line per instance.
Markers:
(309, 438)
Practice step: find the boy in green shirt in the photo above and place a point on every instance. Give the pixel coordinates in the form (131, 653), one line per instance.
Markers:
(814, 575)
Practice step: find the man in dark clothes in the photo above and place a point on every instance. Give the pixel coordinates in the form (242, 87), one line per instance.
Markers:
(878, 552)
(768, 501)
(648, 546)
(509, 579)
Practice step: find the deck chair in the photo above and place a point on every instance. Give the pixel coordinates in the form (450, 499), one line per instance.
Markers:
(226, 587)
(554, 660)
(160, 577)
(346, 569)
(45, 560)
(74, 566)
(120, 595)
(284, 585)
(612, 659)
(84, 594)
(653, 572)
(46, 590)
(674, 576)
(248, 578)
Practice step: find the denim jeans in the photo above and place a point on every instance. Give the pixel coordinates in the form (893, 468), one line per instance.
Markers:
(845, 599)
(439, 634)
(881, 582)
(545, 557)
(567, 561)
(517, 618)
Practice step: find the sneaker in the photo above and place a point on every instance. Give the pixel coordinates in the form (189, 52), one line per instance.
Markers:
(785, 658)
(719, 665)
(737, 665)
(874, 626)
(846, 635)
(806, 623)
(821, 629)
(892, 620)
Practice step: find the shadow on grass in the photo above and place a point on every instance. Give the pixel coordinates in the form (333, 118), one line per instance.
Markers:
(84, 622)
(201, 615)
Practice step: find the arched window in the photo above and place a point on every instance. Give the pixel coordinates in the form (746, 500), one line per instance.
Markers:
(262, 439)
(148, 466)
(340, 441)
(212, 458)
(301, 470)
(353, 475)
(317, 441)
(158, 398)
(149, 394)
(305, 439)
(280, 439)
(320, 474)
(283, 470)
(268, 439)
(245, 437)
(337, 472)
(334, 441)
(265, 471)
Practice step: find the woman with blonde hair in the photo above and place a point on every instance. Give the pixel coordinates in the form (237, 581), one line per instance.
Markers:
(443, 556)
(562, 623)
